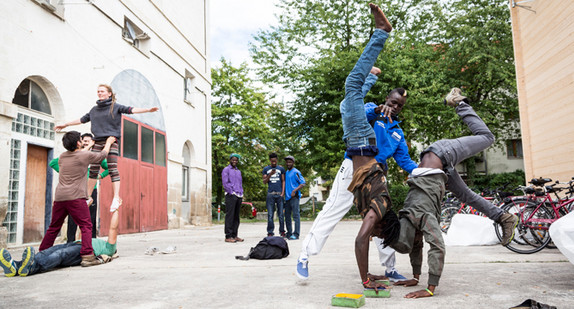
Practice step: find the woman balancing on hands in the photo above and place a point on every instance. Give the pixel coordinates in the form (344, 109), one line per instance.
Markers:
(106, 121)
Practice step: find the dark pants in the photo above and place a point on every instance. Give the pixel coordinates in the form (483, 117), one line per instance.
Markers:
(63, 255)
(274, 200)
(232, 207)
(454, 151)
(72, 226)
(79, 211)
(292, 209)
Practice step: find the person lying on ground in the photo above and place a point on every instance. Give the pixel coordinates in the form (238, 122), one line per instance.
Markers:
(58, 256)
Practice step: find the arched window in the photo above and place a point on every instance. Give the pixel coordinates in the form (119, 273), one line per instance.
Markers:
(185, 173)
(30, 95)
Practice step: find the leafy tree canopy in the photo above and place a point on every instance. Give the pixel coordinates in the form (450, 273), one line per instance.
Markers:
(435, 45)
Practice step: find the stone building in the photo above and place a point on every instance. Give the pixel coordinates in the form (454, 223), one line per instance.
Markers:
(54, 55)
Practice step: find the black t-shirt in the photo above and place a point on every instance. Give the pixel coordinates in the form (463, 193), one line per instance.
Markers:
(275, 183)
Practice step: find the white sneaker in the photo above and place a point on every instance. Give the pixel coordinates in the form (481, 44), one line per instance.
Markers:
(115, 204)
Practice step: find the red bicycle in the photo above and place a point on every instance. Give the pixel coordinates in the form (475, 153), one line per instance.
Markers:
(537, 210)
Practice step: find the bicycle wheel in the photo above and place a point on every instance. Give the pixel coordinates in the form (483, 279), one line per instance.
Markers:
(514, 206)
(531, 231)
(538, 231)
(446, 215)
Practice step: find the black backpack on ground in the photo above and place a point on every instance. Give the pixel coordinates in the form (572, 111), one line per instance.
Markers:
(271, 247)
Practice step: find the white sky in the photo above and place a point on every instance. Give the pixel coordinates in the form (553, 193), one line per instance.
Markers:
(233, 23)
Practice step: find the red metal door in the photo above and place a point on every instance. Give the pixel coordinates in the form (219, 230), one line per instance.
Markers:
(147, 211)
(130, 174)
(160, 197)
(143, 183)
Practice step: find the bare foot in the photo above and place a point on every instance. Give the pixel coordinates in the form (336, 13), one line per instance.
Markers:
(381, 21)
(375, 71)
(418, 294)
(410, 282)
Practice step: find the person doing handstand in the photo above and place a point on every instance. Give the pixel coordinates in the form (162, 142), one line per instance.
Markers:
(369, 181)
(420, 216)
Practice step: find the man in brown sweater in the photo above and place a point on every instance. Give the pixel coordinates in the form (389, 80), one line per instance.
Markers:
(72, 193)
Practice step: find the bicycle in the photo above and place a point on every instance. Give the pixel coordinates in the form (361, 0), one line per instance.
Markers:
(537, 210)
(452, 206)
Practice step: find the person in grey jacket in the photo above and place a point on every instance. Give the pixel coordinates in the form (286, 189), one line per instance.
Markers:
(106, 121)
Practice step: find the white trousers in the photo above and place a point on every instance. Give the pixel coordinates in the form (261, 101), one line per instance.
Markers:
(338, 204)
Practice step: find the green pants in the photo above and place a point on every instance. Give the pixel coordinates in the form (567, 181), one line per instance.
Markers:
(420, 218)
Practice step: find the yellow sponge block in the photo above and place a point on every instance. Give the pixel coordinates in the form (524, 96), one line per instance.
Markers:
(348, 300)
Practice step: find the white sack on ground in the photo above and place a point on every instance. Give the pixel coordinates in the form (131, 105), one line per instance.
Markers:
(470, 230)
(562, 233)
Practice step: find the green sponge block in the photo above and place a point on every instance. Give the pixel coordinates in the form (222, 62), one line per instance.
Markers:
(348, 300)
(382, 293)
(387, 282)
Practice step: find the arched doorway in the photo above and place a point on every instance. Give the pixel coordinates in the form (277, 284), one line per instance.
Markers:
(31, 148)
(143, 160)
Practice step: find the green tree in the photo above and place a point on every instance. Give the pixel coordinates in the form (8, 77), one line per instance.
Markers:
(434, 46)
(240, 113)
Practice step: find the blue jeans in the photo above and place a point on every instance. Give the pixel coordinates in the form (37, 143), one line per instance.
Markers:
(63, 255)
(292, 207)
(357, 132)
(272, 201)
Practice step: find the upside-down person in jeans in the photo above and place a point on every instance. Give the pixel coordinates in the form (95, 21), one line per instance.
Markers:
(63, 255)
(369, 181)
(390, 143)
(421, 213)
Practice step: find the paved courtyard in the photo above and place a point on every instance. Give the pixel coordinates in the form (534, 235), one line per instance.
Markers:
(204, 273)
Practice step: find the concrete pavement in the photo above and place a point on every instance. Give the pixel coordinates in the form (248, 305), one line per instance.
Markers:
(205, 274)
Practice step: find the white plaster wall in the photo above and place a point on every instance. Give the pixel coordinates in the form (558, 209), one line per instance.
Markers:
(498, 162)
(316, 190)
(86, 49)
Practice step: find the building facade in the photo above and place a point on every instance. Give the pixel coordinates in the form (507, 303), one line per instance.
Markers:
(153, 53)
(543, 49)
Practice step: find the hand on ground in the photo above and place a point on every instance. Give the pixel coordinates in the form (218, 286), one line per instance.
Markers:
(375, 285)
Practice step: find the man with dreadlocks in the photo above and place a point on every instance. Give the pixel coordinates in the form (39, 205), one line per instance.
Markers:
(421, 213)
(369, 182)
